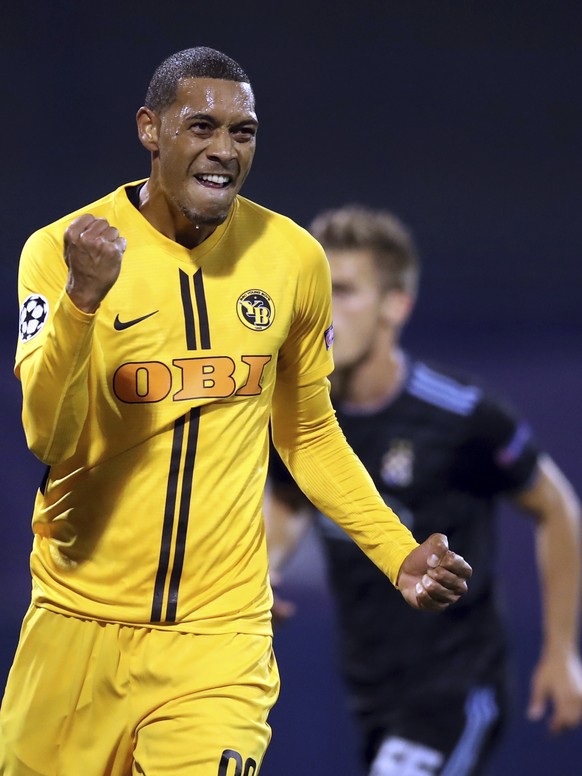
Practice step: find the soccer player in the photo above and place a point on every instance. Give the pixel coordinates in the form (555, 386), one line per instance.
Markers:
(154, 325)
(442, 451)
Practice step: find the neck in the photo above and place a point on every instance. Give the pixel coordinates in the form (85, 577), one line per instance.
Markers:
(171, 223)
(372, 383)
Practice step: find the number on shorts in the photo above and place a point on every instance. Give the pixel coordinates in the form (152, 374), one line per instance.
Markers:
(399, 757)
(229, 756)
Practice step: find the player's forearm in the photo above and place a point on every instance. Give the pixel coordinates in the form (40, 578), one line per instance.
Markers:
(558, 550)
(310, 442)
(55, 385)
(559, 558)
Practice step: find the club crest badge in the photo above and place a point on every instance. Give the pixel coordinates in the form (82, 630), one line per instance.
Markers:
(33, 316)
(255, 309)
(397, 463)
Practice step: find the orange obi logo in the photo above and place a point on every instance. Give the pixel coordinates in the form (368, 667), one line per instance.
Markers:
(208, 377)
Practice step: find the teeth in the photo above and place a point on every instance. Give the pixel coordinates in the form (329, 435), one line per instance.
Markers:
(221, 179)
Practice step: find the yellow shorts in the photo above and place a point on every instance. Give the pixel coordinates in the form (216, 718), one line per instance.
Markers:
(87, 698)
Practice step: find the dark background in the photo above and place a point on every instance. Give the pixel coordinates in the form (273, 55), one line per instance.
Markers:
(463, 117)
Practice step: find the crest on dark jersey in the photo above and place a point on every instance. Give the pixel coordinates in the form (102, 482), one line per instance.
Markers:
(33, 315)
(398, 463)
(255, 309)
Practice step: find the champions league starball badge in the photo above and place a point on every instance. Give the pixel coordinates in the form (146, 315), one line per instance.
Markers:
(33, 316)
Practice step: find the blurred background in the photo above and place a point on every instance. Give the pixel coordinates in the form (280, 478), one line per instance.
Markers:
(464, 118)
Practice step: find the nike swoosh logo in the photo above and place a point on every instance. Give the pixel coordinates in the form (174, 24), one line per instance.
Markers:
(121, 325)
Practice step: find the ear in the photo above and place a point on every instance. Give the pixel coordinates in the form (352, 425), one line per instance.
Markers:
(397, 307)
(148, 128)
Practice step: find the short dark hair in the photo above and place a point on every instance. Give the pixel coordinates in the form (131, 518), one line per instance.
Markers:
(378, 231)
(198, 62)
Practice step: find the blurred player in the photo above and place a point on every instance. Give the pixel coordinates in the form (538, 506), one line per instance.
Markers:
(154, 325)
(429, 693)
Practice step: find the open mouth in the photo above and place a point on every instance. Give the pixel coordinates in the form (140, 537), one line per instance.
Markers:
(214, 181)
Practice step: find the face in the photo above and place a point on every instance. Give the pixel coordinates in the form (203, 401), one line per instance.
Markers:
(368, 313)
(357, 303)
(203, 146)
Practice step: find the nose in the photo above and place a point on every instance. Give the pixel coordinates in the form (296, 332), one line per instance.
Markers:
(221, 146)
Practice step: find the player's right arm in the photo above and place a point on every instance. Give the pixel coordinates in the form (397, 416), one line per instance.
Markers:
(93, 254)
(53, 365)
(557, 678)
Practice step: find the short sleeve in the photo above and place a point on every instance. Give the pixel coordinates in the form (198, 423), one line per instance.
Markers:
(499, 453)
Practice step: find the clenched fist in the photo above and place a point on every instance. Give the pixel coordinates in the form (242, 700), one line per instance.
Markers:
(93, 254)
(433, 577)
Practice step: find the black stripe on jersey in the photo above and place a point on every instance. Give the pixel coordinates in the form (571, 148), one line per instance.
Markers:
(202, 311)
(188, 310)
(169, 511)
(183, 514)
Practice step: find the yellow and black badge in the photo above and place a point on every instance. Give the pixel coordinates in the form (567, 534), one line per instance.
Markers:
(256, 309)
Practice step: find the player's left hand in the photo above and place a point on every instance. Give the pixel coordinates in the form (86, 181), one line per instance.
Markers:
(556, 686)
(432, 577)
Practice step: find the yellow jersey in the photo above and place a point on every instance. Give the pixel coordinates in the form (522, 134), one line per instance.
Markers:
(153, 416)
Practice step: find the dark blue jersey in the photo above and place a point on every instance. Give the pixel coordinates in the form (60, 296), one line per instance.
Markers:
(441, 453)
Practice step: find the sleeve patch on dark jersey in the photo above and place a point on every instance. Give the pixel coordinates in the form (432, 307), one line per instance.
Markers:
(513, 449)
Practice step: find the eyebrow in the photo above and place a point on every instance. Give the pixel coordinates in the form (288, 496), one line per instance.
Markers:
(212, 120)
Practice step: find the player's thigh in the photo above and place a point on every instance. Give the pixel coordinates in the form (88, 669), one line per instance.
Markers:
(215, 721)
(54, 702)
